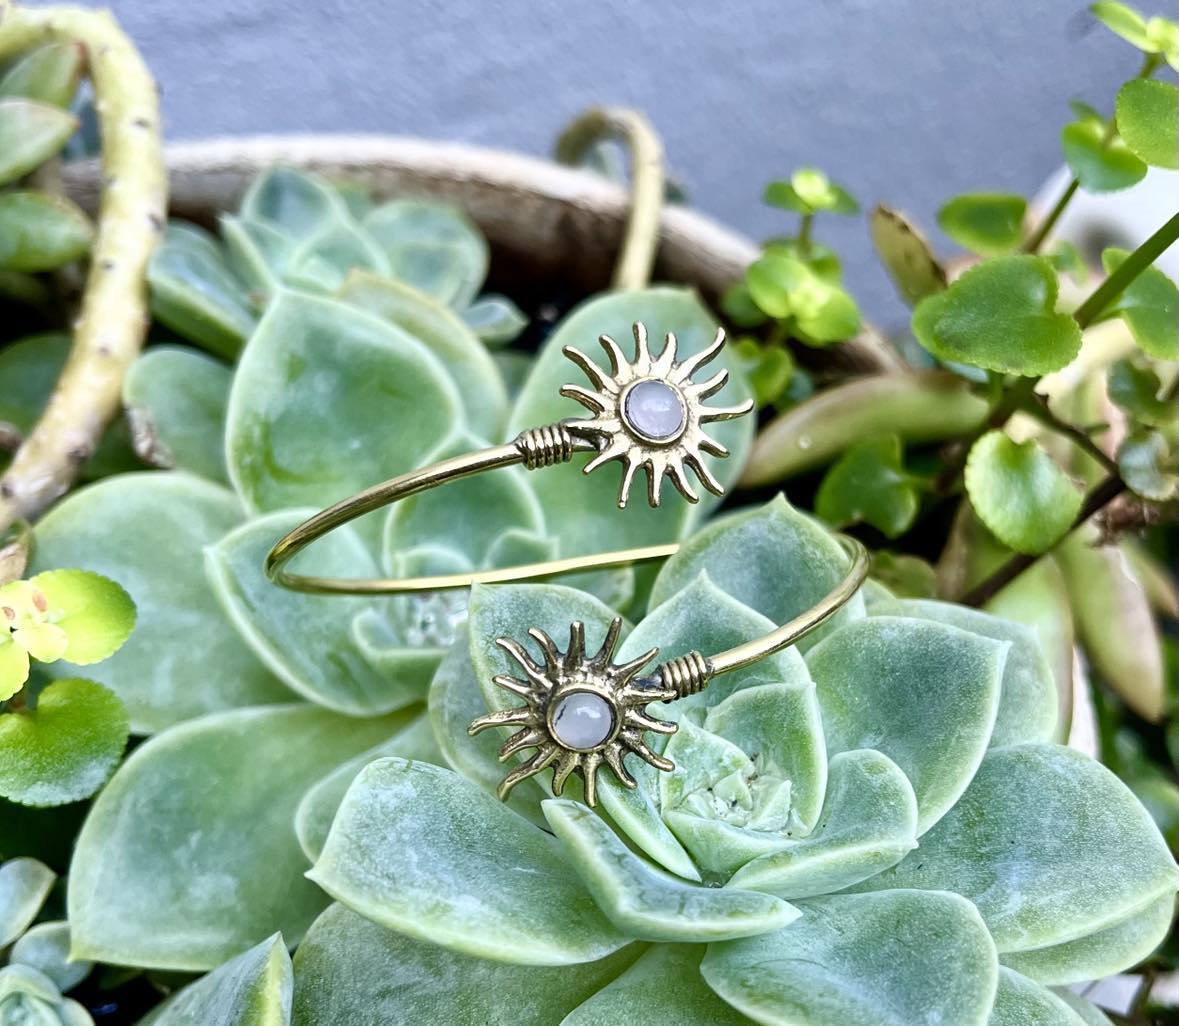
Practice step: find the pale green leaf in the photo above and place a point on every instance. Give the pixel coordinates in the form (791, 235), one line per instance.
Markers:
(1000, 315)
(147, 531)
(583, 511)
(648, 903)
(46, 947)
(486, 865)
(1101, 163)
(1122, 19)
(173, 887)
(899, 957)
(41, 232)
(63, 748)
(1049, 845)
(313, 818)
(350, 970)
(687, 1001)
(257, 252)
(14, 667)
(772, 558)
(1148, 466)
(296, 202)
(24, 886)
(484, 396)
(176, 399)
(1148, 119)
(253, 989)
(925, 694)
(1027, 707)
(30, 133)
(1021, 1002)
(496, 320)
(49, 73)
(1023, 496)
(1090, 1014)
(365, 374)
(906, 254)
(989, 223)
(304, 639)
(321, 262)
(868, 823)
(1137, 391)
(869, 484)
(1149, 306)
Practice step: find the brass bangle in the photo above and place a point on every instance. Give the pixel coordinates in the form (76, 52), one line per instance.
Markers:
(584, 712)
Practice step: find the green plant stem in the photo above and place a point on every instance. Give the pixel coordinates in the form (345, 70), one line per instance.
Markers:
(804, 234)
(1117, 283)
(1039, 409)
(1036, 240)
(113, 318)
(636, 257)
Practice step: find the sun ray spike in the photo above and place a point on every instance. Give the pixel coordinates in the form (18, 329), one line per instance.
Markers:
(589, 775)
(606, 652)
(532, 670)
(705, 475)
(563, 772)
(675, 472)
(614, 759)
(626, 670)
(613, 352)
(642, 349)
(576, 652)
(529, 737)
(645, 722)
(709, 388)
(712, 447)
(590, 400)
(503, 718)
(655, 468)
(666, 359)
(614, 451)
(630, 467)
(597, 376)
(710, 413)
(541, 761)
(517, 687)
(706, 355)
(636, 744)
(552, 658)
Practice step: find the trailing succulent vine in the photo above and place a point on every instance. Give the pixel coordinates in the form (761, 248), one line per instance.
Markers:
(879, 825)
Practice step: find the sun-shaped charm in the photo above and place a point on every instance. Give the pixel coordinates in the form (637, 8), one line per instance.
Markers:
(649, 413)
(579, 712)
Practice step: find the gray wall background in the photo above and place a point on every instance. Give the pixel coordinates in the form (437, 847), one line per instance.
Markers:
(908, 101)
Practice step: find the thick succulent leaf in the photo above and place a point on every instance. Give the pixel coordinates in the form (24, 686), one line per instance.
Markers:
(24, 886)
(431, 246)
(1027, 706)
(46, 947)
(987, 223)
(485, 398)
(64, 748)
(778, 727)
(198, 789)
(40, 232)
(495, 320)
(321, 262)
(906, 255)
(1149, 306)
(176, 400)
(253, 989)
(1100, 163)
(649, 904)
(456, 698)
(1022, 1002)
(686, 1002)
(1090, 1014)
(49, 74)
(30, 133)
(146, 531)
(583, 512)
(29, 997)
(257, 252)
(772, 558)
(1148, 120)
(1100, 954)
(294, 201)
(1049, 845)
(899, 958)
(316, 353)
(925, 694)
(469, 516)
(196, 295)
(30, 368)
(304, 639)
(486, 865)
(1000, 316)
(350, 970)
(869, 823)
(313, 818)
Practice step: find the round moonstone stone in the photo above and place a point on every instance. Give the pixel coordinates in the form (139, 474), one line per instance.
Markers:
(582, 720)
(654, 409)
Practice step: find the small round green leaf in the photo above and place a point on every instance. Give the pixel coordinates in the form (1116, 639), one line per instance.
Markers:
(95, 613)
(1137, 390)
(1099, 162)
(906, 254)
(40, 232)
(24, 886)
(1020, 493)
(1122, 19)
(46, 947)
(873, 960)
(869, 484)
(1001, 316)
(989, 223)
(1148, 466)
(30, 133)
(1149, 306)
(49, 74)
(809, 191)
(1148, 119)
(63, 749)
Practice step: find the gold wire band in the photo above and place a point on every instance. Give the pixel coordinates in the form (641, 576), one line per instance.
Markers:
(536, 448)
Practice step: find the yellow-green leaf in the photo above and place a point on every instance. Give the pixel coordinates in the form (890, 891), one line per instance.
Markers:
(1149, 306)
(95, 613)
(30, 133)
(906, 255)
(869, 484)
(1100, 162)
(39, 232)
(985, 222)
(1148, 119)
